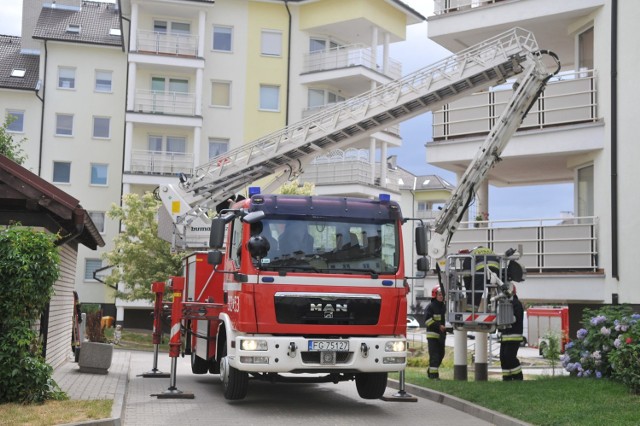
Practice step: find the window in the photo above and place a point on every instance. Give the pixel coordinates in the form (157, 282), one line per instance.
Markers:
(319, 98)
(99, 174)
(271, 43)
(159, 84)
(66, 78)
(101, 127)
(64, 124)
(220, 93)
(172, 27)
(90, 266)
(222, 38)
(217, 146)
(103, 81)
(18, 72)
(269, 98)
(15, 120)
(61, 172)
(585, 50)
(73, 28)
(176, 145)
(160, 27)
(98, 220)
(585, 191)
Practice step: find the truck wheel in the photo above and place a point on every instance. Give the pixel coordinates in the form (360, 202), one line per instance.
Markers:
(198, 365)
(235, 383)
(371, 385)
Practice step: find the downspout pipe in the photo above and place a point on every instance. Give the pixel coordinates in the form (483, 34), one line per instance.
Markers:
(615, 273)
(44, 94)
(288, 92)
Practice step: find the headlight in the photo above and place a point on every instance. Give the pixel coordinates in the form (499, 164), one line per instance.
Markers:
(253, 345)
(395, 346)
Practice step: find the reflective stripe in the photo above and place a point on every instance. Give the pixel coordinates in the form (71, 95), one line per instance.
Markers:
(491, 264)
(430, 321)
(511, 372)
(432, 370)
(432, 335)
(512, 338)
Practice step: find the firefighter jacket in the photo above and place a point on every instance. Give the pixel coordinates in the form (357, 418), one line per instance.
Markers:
(513, 333)
(434, 318)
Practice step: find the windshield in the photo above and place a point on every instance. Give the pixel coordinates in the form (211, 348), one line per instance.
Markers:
(330, 246)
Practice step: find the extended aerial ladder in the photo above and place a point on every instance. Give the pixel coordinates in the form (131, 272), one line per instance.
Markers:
(284, 153)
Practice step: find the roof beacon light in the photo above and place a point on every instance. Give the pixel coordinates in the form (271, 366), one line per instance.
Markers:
(254, 190)
(384, 198)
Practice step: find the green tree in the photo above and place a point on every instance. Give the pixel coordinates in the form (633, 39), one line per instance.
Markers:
(294, 188)
(551, 350)
(139, 256)
(29, 269)
(8, 147)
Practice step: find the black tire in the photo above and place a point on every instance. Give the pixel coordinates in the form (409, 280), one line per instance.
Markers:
(235, 383)
(371, 385)
(198, 365)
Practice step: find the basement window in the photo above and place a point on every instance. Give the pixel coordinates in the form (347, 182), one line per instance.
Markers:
(73, 28)
(115, 32)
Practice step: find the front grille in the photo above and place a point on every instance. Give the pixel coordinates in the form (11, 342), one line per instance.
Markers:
(314, 309)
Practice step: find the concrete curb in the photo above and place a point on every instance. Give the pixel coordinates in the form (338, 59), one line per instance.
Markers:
(472, 409)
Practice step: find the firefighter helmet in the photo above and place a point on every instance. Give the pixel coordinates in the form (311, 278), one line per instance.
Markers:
(434, 291)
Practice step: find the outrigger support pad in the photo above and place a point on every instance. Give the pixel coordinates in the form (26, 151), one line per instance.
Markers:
(401, 395)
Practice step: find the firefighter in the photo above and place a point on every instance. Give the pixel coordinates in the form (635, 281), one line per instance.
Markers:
(436, 331)
(484, 257)
(510, 340)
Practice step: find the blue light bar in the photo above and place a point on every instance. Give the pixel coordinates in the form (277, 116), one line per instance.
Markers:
(385, 198)
(254, 190)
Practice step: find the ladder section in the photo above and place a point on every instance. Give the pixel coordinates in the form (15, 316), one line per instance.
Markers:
(486, 64)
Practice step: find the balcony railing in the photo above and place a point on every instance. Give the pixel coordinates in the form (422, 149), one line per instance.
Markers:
(568, 99)
(349, 56)
(447, 6)
(160, 162)
(347, 167)
(175, 103)
(548, 245)
(167, 43)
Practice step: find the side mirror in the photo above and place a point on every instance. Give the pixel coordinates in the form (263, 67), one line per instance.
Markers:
(421, 240)
(214, 257)
(216, 237)
(423, 264)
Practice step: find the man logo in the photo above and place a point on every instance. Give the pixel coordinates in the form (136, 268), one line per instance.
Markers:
(328, 309)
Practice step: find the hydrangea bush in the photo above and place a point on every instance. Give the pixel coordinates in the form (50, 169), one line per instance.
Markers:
(607, 346)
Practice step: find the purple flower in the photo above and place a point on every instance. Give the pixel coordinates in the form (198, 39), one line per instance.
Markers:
(568, 346)
(598, 319)
(635, 316)
(617, 342)
(582, 333)
(598, 375)
(605, 331)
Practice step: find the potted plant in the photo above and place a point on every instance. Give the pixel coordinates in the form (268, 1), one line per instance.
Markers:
(95, 354)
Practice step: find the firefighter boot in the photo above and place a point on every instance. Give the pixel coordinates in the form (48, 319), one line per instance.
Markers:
(432, 373)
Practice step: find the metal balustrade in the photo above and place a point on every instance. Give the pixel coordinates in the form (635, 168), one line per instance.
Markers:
(156, 102)
(349, 56)
(167, 43)
(160, 162)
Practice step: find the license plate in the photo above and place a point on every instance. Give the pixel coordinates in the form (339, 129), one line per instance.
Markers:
(328, 345)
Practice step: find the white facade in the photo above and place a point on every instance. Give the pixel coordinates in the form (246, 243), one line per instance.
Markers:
(594, 148)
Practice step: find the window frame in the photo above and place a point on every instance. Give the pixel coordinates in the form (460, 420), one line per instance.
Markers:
(219, 142)
(98, 214)
(213, 38)
(93, 129)
(19, 114)
(268, 45)
(96, 167)
(87, 260)
(97, 87)
(262, 106)
(58, 127)
(53, 172)
(221, 84)
(71, 80)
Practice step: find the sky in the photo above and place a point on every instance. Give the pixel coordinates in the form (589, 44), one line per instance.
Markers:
(545, 201)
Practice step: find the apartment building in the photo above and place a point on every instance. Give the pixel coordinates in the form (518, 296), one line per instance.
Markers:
(582, 131)
(66, 88)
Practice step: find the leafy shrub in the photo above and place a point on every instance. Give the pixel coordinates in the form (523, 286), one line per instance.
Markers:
(607, 346)
(29, 269)
(624, 359)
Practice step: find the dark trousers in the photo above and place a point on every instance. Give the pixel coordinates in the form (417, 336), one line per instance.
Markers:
(436, 355)
(509, 362)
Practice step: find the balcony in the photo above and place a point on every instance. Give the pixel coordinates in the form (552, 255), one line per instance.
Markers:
(548, 245)
(349, 56)
(174, 103)
(161, 163)
(446, 6)
(184, 45)
(351, 166)
(568, 99)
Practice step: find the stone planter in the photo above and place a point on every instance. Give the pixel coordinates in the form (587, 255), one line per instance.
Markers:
(95, 358)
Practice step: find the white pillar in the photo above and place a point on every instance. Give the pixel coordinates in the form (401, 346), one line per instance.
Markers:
(483, 197)
(383, 164)
(201, 32)
(372, 159)
(199, 84)
(459, 355)
(197, 143)
(131, 86)
(374, 48)
(481, 365)
(385, 55)
(128, 147)
(133, 41)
